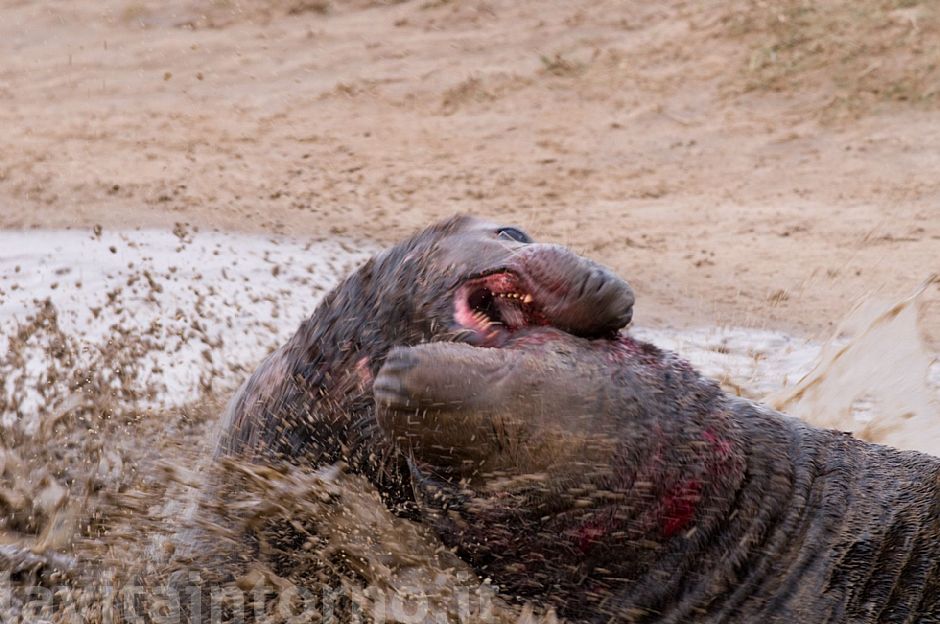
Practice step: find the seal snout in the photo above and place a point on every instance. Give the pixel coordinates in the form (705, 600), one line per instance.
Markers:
(437, 400)
(579, 295)
(610, 297)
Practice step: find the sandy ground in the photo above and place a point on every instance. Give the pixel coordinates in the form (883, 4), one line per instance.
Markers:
(656, 137)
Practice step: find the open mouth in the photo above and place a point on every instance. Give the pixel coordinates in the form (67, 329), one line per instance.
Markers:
(490, 308)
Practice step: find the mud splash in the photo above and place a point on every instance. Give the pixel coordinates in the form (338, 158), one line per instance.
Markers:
(119, 351)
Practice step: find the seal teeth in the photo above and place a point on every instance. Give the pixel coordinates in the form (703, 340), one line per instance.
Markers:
(527, 298)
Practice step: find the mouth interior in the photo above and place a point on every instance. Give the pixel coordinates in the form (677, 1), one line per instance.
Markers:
(491, 307)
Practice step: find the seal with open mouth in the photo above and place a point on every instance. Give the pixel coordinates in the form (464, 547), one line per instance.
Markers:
(460, 280)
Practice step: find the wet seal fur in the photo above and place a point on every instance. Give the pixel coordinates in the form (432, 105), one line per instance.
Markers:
(608, 478)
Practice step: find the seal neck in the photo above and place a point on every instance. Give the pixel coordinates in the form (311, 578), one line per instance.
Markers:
(750, 527)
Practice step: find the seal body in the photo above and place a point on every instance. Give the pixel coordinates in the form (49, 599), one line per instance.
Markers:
(609, 479)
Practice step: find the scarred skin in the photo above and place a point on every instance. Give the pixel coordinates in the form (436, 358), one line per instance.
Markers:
(311, 400)
(611, 480)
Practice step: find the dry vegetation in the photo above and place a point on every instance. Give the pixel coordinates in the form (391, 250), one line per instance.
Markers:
(864, 52)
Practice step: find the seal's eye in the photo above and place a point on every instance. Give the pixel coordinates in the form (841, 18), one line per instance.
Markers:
(513, 234)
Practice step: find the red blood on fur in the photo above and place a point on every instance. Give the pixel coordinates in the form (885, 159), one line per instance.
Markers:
(590, 533)
(679, 506)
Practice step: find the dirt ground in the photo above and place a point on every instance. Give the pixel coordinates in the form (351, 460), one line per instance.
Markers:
(762, 164)
(750, 163)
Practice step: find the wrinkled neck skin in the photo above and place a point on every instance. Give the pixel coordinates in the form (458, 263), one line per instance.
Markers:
(712, 509)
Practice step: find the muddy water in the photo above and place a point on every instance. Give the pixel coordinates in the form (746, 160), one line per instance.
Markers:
(117, 351)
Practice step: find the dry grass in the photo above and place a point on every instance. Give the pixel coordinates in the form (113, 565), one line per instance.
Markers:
(470, 90)
(558, 65)
(863, 52)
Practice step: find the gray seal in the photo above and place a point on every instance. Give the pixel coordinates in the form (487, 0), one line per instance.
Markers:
(463, 279)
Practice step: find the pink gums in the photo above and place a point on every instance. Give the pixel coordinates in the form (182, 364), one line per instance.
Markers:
(497, 284)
